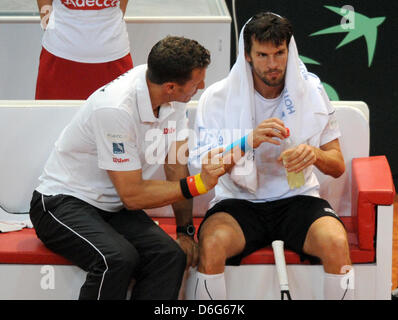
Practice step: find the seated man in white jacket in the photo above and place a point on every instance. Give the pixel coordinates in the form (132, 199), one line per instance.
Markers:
(101, 176)
(267, 92)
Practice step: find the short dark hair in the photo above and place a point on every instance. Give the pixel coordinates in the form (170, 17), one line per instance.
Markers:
(267, 27)
(174, 58)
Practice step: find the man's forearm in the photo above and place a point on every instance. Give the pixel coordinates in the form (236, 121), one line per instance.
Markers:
(182, 209)
(152, 194)
(159, 193)
(329, 162)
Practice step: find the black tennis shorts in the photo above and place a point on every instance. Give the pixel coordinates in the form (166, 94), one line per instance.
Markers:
(263, 222)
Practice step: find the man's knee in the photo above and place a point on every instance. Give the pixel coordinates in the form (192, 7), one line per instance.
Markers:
(327, 240)
(124, 259)
(212, 250)
(335, 247)
(220, 238)
(333, 250)
(336, 255)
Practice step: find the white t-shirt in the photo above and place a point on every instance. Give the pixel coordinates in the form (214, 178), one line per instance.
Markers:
(114, 130)
(88, 31)
(272, 182)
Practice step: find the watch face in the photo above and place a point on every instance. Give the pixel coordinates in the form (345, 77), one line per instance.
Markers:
(190, 230)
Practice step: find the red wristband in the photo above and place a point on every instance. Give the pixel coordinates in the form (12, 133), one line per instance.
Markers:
(192, 186)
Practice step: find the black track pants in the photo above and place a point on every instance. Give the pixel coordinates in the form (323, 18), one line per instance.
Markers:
(113, 247)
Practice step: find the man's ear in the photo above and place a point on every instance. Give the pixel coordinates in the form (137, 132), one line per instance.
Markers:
(247, 57)
(169, 87)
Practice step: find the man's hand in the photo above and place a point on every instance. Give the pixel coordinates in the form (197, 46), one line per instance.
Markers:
(212, 168)
(299, 158)
(266, 131)
(190, 247)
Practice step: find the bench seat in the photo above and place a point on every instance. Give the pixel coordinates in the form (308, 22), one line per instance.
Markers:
(23, 247)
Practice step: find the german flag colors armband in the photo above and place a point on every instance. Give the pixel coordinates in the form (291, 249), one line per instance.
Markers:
(192, 186)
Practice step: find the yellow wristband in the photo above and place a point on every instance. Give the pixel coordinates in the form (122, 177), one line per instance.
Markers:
(199, 184)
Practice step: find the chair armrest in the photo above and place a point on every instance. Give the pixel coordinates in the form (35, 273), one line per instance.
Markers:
(372, 185)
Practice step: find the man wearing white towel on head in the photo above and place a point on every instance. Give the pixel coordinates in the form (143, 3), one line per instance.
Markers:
(267, 92)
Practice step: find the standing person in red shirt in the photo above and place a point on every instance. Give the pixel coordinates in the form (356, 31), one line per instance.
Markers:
(85, 46)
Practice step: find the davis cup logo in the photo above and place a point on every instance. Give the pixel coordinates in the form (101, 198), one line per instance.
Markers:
(89, 4)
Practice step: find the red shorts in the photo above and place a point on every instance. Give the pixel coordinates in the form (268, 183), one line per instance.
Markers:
(61, 79)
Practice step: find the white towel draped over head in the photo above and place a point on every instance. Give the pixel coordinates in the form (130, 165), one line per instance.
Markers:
(303, 107)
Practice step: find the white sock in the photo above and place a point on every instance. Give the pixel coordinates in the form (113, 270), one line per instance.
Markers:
(339, 286)
(207, 286)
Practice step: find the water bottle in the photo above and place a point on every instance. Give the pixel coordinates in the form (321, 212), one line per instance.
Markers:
(295, 180)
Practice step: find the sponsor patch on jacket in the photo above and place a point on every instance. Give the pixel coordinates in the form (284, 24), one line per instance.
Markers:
(120, 160)
(89, 4)
(118, 148)
(117, 137)
(169, 130)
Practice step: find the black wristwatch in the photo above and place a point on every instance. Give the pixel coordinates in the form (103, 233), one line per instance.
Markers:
(188, 229)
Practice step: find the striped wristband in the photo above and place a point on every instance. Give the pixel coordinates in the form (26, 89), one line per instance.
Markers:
(192, 186)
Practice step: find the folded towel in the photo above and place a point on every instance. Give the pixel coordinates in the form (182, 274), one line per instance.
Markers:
(8, 226)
